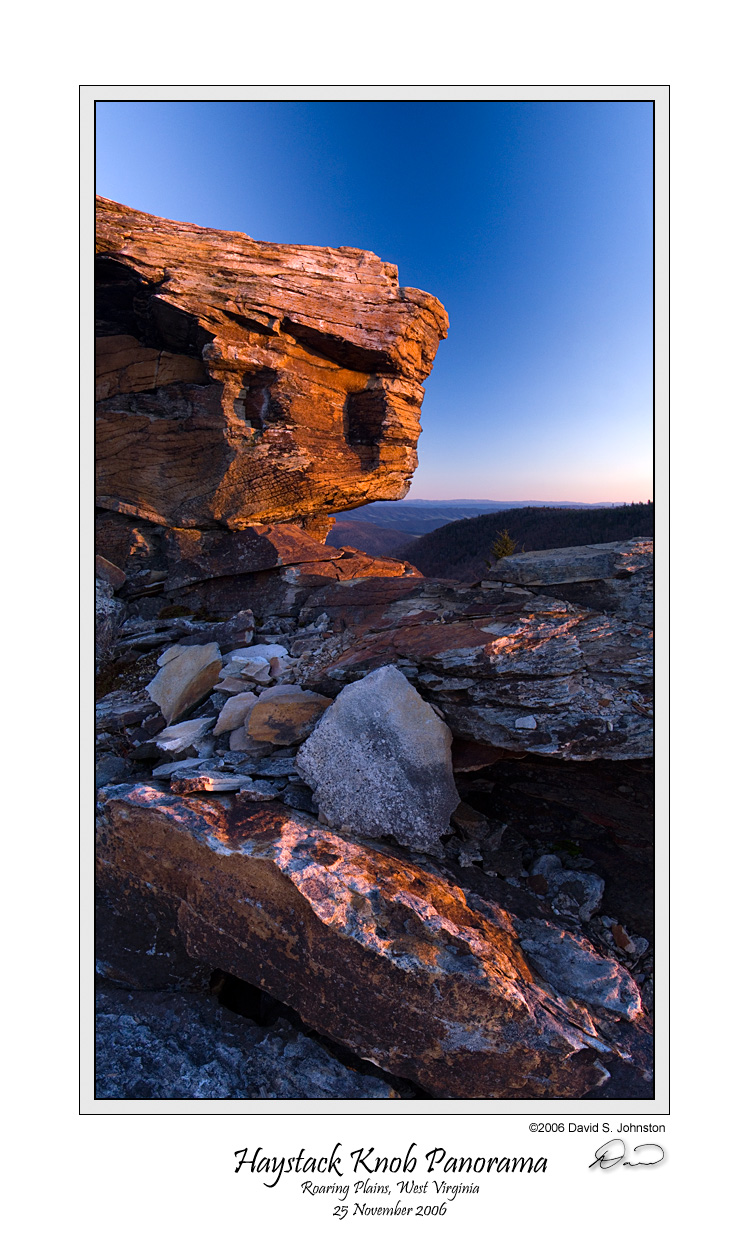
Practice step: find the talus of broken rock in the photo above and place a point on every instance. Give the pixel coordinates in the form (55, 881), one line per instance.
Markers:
(276, 382)
(375, 952)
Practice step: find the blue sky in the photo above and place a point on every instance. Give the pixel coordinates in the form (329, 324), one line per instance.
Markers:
(532, 222)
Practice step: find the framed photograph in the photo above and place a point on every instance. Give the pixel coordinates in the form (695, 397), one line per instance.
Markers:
(379, 472)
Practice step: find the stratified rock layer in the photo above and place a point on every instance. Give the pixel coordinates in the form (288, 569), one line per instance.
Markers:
(613, 578)
(242, 382)
(375, 952)
(507, 667)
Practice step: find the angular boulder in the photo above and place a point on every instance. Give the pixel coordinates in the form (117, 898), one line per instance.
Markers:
(285, 715)
(379, 763)
(182, 682)
(381, 955)
(274, 382)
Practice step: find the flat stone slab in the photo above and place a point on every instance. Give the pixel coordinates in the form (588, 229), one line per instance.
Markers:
(285, 715)
(195, 782)
(576, 564)
(508, 668)
(235, 712)
(383, 956)
(120, 708)
(615, 578)
(185, 680)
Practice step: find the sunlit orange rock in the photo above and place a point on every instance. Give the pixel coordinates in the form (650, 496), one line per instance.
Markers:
(285, 715)
(241, 382)
(383, 956)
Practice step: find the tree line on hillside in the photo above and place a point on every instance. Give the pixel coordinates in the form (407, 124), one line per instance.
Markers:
(463, 550)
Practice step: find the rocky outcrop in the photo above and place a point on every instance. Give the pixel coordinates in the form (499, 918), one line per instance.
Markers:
(612, 578)
(267, 568)
(507, 668)
(241, 382)
(399, 805)
(343, 932)
(472, 659)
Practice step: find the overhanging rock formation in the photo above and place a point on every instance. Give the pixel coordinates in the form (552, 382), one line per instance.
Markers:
(241, 382)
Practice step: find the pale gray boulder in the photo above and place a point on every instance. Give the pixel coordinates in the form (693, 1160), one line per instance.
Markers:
(379, 763)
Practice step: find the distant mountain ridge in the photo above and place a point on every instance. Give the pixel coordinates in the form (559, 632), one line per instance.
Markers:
(421, 516)
(374, 540)
(462, 550)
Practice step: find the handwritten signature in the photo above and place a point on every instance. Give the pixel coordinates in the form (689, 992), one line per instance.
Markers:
(610, 1153)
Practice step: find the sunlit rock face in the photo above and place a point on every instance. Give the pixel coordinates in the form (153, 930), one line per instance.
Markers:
(378, 953)
(242, 382)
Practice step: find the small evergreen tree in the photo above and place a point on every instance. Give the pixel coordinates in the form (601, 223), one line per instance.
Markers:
(503, 545)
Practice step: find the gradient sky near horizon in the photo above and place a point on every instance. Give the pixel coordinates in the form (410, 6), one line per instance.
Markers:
(531, 222)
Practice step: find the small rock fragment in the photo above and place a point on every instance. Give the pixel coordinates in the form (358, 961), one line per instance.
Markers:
(234, 713)
(622, 939)
(177, 738)
(285, 715)
(233, 685)
(470, 823)
(265, 651)
(255, 670)
(299, 797)
(193, 783)
(182, 682)
(257, 792)
(574, 893)
(111, 768)
(239, 741)
(276, 767)
(175, 768)
(108, 572)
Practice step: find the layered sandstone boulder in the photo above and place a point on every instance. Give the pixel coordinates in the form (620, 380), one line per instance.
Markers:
(382, 955)
(241, 382)
(614, 578)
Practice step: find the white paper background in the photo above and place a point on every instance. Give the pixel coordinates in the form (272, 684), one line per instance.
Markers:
(154, 1179)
